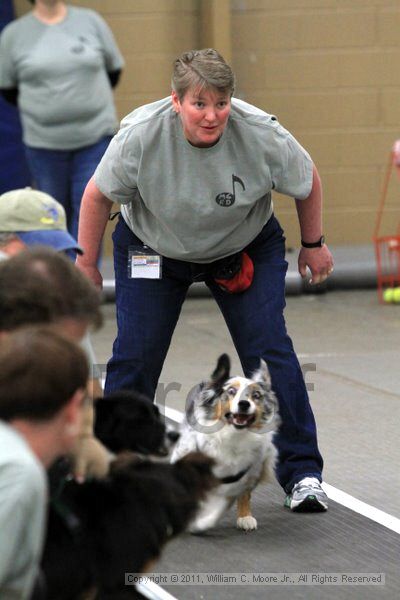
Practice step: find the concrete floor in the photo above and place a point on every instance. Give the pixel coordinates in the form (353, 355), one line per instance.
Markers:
(349, 345)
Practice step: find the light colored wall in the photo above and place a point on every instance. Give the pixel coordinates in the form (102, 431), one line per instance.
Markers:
(329, 69)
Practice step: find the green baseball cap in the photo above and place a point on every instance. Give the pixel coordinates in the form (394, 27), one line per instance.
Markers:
(36, 218)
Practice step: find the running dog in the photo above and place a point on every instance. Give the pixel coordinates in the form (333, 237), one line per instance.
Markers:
(128, 426)
(120, 523)
(232, 420)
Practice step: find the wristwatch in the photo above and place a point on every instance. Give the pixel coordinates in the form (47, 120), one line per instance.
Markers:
(318, 244)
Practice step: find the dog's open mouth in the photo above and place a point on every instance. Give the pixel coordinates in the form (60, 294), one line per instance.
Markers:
(240, 420)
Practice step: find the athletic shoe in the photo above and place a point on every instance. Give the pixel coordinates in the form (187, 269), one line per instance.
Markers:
(307, 496)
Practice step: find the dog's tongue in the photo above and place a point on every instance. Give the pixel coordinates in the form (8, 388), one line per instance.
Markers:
(240, 419)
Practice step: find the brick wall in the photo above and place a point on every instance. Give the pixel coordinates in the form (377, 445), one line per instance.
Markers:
(329, 69)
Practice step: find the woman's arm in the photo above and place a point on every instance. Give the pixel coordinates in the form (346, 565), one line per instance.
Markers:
(309, 212)
(93, 217)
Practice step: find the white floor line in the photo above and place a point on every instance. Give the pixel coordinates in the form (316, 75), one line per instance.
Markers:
(171, 413)
(362, 508)
(366, 510)
(152, 591)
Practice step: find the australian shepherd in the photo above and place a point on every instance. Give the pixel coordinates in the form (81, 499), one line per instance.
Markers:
(105, 528)
(232, 420)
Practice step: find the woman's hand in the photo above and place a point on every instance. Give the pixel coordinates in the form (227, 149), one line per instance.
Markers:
(318, 260)
(91, 272)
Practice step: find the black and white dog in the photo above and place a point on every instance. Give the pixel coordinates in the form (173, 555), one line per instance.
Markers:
(129, 421)
(119, 524)
(99, 525)
(232, 420)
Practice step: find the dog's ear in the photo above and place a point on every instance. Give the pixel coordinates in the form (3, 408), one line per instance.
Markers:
(213, 388)
(222, 371)
(206, 392)
(195, 471)
(262, 375)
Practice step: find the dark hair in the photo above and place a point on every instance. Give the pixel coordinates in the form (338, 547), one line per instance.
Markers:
(202, 69)
(40, 370)
(40, 286)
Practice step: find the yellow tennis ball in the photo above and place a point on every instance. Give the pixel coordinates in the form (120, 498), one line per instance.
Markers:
(396, 295)
(388, 295)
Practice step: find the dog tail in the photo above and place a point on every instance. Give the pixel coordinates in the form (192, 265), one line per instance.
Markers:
(195, 471)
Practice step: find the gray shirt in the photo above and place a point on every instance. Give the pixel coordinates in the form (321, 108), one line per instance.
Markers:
(23, 497)
(201, 204)
(65, 97)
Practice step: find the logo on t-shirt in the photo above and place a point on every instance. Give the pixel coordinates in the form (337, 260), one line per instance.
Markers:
(228, 198)
(78, 49)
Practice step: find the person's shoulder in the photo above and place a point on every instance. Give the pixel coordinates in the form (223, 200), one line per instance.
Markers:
(28, 472)
(81, 12)
(19, 466)
(154, 112)
(248, 114)
(23, 483)
(18, 26)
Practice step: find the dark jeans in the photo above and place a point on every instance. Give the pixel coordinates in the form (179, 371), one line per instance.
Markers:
(147, 313)
(64, 174)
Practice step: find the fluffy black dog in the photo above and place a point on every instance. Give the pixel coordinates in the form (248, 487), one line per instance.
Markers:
(128, 420)
(120, 524)
(124, 421)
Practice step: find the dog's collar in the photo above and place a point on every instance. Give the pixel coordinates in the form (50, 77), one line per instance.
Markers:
(234, 478)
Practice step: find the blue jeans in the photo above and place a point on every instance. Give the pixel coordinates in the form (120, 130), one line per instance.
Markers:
(64, 174)
(147, 313)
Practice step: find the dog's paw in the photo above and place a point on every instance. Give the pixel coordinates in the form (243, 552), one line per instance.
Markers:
(202, 523)
(198, 527)
(246, 523)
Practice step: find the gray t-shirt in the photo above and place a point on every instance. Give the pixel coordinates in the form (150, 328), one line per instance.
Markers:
(23, 498)
(65, 97)
(201, 204)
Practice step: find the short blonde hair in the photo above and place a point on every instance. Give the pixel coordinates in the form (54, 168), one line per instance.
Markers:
(202, 69)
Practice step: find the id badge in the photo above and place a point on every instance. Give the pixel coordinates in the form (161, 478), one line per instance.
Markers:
(144, 263)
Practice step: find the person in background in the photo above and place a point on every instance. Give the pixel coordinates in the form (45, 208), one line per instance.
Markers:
(42, 387)
(194, 173)
(31, 218)
(59, 63)
(41, 286)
